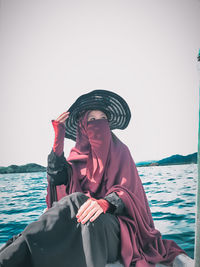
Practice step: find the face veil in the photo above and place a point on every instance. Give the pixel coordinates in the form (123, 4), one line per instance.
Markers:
(91, 153)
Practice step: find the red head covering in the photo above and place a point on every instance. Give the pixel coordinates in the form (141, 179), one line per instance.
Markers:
(103, 164)
(90, 155)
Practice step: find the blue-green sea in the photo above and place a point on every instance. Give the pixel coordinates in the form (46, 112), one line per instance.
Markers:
(171, 192)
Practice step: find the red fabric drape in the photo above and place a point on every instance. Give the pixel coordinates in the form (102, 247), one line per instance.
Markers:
(103, 164)
(59, 130)
(58, 146)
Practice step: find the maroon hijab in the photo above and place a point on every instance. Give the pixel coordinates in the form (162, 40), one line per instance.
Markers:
(103, 164)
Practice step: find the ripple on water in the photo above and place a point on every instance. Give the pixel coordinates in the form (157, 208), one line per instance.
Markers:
(170, 192)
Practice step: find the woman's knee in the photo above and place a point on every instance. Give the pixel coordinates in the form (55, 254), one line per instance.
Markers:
(75, 199)
(78, 198)
(78, 195)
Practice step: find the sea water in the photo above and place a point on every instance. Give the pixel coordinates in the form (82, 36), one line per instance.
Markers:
(171, 192)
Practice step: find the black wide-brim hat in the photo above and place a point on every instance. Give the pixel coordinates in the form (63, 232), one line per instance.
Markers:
(113, 105)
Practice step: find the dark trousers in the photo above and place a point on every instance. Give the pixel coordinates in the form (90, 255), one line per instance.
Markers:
(56, 239)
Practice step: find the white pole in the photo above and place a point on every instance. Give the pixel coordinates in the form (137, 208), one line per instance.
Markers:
(197, 224)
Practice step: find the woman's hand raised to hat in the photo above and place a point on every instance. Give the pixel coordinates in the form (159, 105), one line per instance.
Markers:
(62, 118)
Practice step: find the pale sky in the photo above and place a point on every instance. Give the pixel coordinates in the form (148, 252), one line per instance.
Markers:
(54, 51)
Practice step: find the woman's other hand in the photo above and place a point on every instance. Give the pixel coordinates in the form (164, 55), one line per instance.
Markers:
(90, 210)
(45, 210)
(62, 118)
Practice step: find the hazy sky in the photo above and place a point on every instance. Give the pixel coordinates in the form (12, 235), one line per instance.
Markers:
(54, 51)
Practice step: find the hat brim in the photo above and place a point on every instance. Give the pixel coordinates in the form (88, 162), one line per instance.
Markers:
(113, 105)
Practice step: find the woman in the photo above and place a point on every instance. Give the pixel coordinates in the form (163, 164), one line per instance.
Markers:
(97, 208)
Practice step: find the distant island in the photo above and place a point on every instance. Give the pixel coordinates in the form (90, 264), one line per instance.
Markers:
(173, 160)
(30, 167)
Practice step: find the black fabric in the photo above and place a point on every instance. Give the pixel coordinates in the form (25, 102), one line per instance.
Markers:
(58, 169)
(59, 172)
(117, 205)
(57, 239)
(52, 192)
(16, 254)
(10, 241)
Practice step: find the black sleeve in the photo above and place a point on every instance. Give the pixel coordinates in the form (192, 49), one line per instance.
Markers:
(58, 169)
(116, 204)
